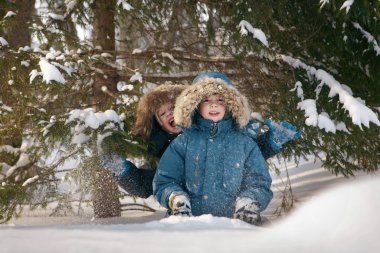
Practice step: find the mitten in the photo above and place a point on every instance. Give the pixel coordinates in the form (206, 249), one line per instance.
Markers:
(279, 134)
(253, 128)
(179, 204)
(246, 210)
(118, 165)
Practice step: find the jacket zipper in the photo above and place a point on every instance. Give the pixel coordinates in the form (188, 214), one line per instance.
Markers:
(214, 129)
(196, 172)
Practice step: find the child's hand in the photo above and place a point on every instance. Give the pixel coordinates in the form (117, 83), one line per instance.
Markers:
(279, 134)
(179, 204)
(117, 164)
(247, 210)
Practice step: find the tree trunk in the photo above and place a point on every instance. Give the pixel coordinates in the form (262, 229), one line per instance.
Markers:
(106, 195)
(17, 33)
(105, 199)
(103, 37)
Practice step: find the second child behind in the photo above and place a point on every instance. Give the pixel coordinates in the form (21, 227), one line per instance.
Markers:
(213, 167)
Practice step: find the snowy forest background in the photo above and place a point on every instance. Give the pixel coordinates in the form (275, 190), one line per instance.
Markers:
(72, 72)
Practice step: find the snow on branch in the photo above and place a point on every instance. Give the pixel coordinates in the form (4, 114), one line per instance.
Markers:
(358, 111)
(22, 162)
(313, 118)
(323, 2)
(88, 118)
(169, 56)
(9, 14)
(30, 181)
(246, 27)
(3, 42)
(49, 72)
(126, 6)
(56, 16)
(369, 37)
(9, 149)
(347, 5)
(94, 119)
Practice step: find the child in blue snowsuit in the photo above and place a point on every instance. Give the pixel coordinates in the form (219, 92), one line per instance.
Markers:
(213, 167)
(155, 123)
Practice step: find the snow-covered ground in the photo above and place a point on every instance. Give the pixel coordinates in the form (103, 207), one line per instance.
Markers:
(331, 214)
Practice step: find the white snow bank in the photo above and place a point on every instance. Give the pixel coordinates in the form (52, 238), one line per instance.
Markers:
(344, 219)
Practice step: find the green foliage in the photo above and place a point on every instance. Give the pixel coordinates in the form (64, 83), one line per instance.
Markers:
(11, 195)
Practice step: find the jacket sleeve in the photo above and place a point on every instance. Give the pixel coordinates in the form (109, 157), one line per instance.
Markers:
(170, 175)
(257, 180)
(138, 182)
(267, 148)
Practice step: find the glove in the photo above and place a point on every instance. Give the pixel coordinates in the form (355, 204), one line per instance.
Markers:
(118, 165)
(279, 134)
(179, 204)
(246, 210)
(253, 128)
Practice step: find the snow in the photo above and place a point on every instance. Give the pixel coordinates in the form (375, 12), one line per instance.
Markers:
(136, 77)
(358, 111)
(9, 149)
(298, 88)
(22, 161)
(246, 27)
(332, 214)
(93, 119)
(25, 63)
(347, 5)
(169, 56)
(126, 6)
(30, 180)
(323, 2)
(137, 51)
(50, 72)
(369, 38)
(123, 86)
(3, 42)
(56, 16)
(9, 14)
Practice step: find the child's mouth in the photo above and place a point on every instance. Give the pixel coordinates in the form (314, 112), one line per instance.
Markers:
(214, 113)
(172, 123)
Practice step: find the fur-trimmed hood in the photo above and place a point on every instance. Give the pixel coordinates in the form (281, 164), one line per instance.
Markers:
(192, 96)
(149, 104)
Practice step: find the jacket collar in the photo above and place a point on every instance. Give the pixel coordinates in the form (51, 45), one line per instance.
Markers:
(208, 126)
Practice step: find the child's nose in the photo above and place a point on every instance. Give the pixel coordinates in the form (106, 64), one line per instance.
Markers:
(214, 103)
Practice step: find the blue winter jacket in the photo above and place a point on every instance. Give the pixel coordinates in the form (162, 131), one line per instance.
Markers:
(213, 163)
(138, 182)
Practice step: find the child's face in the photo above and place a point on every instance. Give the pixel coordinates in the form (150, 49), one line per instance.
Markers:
(166, 118)
(212, 108)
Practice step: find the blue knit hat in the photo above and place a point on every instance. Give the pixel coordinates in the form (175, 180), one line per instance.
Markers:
(212, 74)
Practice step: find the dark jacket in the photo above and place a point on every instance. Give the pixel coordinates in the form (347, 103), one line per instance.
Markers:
(138, 181)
